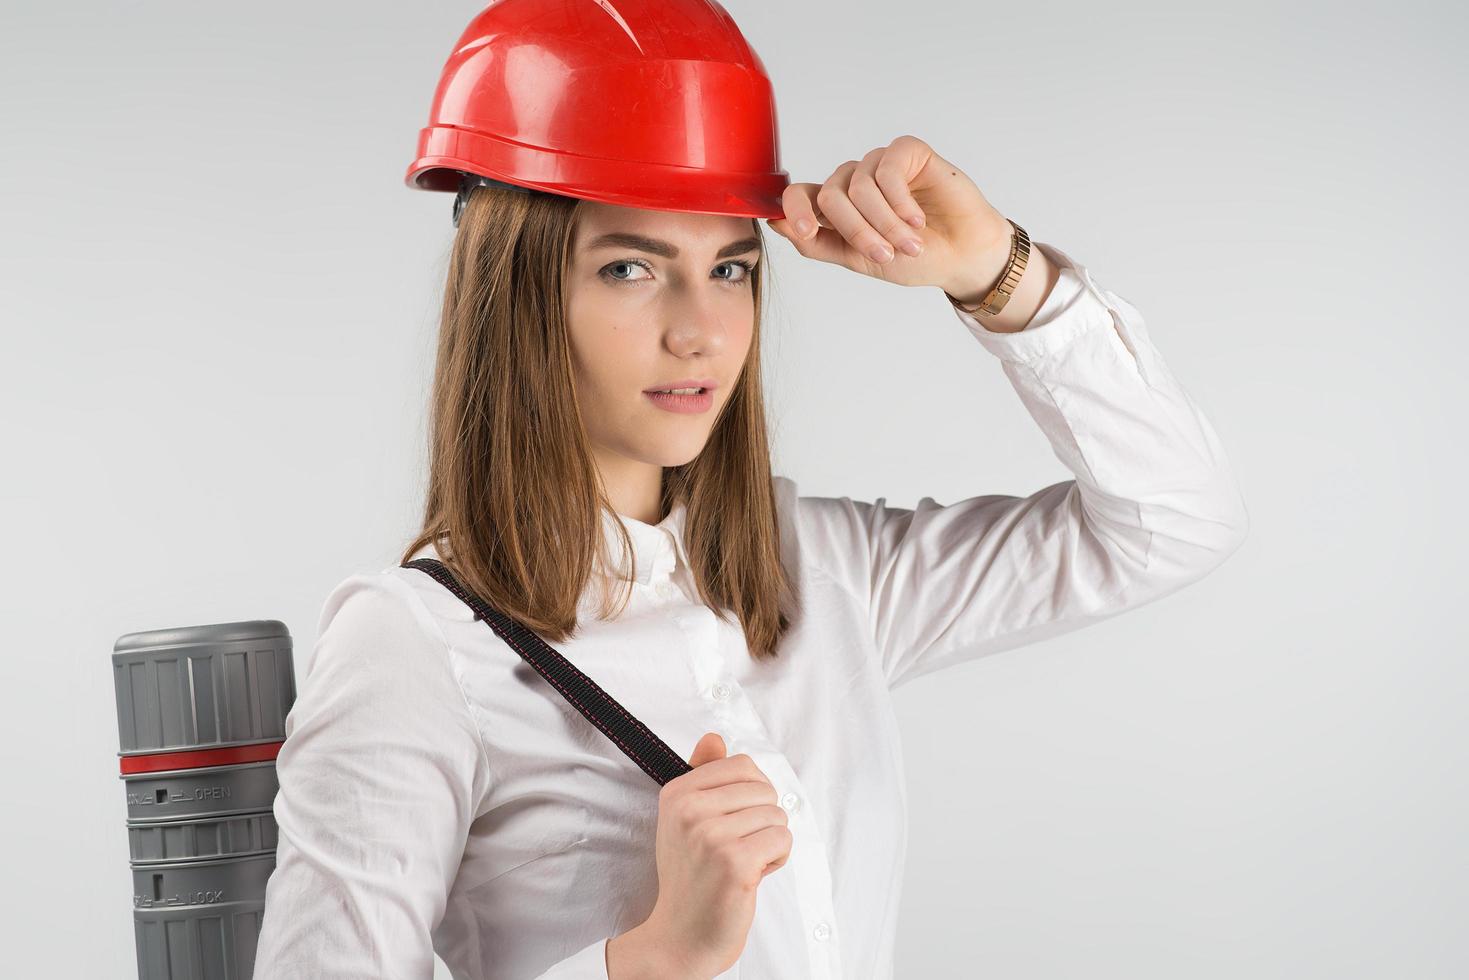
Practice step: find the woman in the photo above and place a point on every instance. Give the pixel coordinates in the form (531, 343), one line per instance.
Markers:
(436, 795)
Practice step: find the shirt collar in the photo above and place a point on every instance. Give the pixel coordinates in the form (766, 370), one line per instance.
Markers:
(658, 548)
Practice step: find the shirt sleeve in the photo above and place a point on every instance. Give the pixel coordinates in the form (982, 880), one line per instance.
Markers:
(381, 775)
(1154, 503)
(587, 963)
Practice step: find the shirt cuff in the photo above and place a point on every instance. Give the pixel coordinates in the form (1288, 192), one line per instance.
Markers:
(1075, 305)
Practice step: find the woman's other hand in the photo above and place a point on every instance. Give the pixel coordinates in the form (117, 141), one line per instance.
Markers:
(720, 832)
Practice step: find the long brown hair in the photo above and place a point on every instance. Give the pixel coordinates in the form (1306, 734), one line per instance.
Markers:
(515, 502)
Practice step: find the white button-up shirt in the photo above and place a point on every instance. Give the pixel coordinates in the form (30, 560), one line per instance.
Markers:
(436, 794)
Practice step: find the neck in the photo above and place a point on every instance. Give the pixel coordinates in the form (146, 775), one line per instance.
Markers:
(635, 488)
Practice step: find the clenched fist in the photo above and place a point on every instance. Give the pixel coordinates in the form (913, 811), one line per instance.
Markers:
(720, 832)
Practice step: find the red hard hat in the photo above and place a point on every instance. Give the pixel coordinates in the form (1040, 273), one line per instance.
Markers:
(656, 104)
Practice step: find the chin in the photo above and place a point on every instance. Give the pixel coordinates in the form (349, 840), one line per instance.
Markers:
(673, 454)
(682, 459)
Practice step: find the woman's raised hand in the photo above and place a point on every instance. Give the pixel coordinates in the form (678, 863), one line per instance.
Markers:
(862, 216)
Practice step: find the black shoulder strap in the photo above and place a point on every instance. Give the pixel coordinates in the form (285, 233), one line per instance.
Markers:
(649, 751)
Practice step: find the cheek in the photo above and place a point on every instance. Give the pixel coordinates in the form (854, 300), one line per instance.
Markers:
(747, 334)
(605, 361)
(741, 339)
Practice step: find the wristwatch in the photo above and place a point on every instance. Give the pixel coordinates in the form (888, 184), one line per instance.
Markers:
(1014, 269)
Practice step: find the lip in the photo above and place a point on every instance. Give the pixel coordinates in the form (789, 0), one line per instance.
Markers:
(684, 404)
(685, 383)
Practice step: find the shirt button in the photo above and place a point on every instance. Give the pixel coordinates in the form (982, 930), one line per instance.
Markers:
(721, 691)
(791, 802)
(822, 932)
(665, 590)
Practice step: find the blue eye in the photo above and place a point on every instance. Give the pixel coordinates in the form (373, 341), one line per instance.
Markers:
(743, 280)
(604, 274)
(747, 266)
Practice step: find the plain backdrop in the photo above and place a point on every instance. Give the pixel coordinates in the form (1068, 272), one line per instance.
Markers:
(219, 304)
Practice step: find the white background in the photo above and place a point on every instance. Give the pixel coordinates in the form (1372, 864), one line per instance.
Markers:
(218, 302)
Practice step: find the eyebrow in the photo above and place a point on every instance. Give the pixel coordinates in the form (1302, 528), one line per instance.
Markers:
(667, 250)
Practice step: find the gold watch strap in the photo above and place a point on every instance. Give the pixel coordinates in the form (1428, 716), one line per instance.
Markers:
(995, 301)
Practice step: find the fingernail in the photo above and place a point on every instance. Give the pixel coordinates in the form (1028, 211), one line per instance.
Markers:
(880, 253)
(803, 226)
(912, 246)
(916, 220)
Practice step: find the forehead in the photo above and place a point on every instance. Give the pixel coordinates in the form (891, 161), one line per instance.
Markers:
(697, 231)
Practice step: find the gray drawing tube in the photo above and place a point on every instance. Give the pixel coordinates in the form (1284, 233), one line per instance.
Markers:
(201, 716)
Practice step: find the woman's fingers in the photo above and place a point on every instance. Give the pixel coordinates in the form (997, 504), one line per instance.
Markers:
(877, 201)
(798, 201)
(868, 203)
(896, 166)
(845, 216)
(815, 240)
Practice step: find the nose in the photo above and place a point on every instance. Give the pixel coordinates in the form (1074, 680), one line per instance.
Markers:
(696, 324)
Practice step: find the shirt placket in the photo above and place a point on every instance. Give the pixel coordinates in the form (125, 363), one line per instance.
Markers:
(743, 730)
